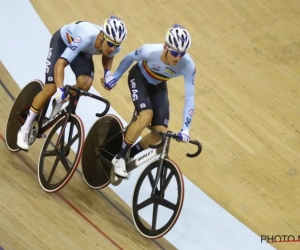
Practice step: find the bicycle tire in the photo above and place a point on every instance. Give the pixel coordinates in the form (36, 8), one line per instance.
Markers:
(62, 153)
(96, 171)
(22, 102)
(147, 230)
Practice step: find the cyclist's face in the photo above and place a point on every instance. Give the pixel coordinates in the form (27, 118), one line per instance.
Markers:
(108, 46)
(173, 56)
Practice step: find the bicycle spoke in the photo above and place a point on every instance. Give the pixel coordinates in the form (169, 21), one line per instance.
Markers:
(49, 153)
(70, 132)
(104, 150)
(65, 163)
(151, 179)
(167, 204)
(53, 169)
(70, 143)
(145, 203)
(166, 183)
(110, 139)
(107, 162)
(154, 215)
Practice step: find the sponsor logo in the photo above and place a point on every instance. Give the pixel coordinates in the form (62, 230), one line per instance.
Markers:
(194, 76)
(50, 53)
(134, 95)
(170, 71)
(188, 121)
(133, 84)
(134, 91)
(48, 63)
(72, 47)
(138, 51)
(145, 155)
(155, 67)
(77, 39)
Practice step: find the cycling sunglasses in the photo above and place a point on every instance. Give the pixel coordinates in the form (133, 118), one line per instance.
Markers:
(110, 43)
(176, 53)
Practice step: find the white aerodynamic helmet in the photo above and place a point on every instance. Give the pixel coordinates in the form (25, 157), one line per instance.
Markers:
(114, 29)
(178, 38)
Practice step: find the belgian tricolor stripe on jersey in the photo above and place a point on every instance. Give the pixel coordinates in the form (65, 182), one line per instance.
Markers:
(154, 74)
(70, 39)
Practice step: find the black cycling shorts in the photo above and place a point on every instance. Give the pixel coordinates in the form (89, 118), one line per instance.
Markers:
(148, 96)
(82, 65)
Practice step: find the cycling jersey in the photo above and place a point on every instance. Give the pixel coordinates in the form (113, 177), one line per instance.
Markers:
(80, 36)
(155, 71)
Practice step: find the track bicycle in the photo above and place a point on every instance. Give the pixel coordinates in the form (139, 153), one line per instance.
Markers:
(57, 161)
(104, 141)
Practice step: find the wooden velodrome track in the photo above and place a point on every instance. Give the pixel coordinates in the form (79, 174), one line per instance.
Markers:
(247, 117)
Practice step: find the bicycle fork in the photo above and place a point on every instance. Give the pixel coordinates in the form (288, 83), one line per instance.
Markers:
(159, 175)
(61, 135)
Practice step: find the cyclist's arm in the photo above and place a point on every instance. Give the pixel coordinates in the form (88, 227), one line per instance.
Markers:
(59, 72)
(67, 57)
(107, 61)
(188, 110)
(137, 55)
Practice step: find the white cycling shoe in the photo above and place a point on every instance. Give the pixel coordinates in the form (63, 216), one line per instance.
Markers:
(23, 138)
(120, 167)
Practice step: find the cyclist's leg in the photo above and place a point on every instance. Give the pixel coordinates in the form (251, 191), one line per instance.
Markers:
(138, 86)
(83, 68)
(161, 115)
(56, 48)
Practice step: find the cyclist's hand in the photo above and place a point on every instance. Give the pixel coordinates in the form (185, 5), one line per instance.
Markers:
(110, 82)
(60, 95)
(107, 72)
(183, 136)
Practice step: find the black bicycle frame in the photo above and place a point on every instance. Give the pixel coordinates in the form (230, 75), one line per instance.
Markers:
(70, 109)
(67, 111)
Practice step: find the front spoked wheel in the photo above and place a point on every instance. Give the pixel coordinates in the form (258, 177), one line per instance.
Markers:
(61, 153)
(154, 216)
